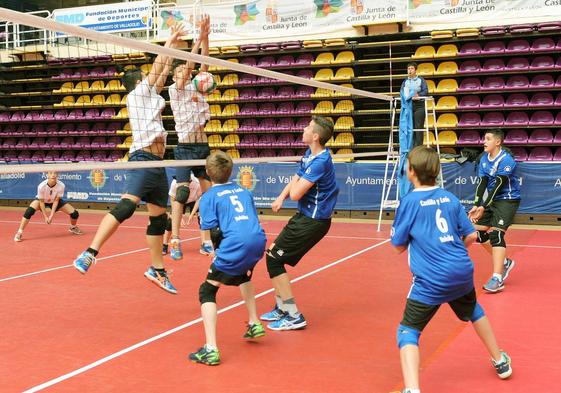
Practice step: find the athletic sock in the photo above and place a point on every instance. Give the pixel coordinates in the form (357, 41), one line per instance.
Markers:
(289, 305)
(210, 347)
(278, 301)
(409, 390)
(92, 251)
(498, 275)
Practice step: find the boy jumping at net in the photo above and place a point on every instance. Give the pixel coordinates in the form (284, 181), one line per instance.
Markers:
(191, 112)
(433, 226)
(49, 198)
(145, 106)
(228, 212)
(315, 189)
(495, 213)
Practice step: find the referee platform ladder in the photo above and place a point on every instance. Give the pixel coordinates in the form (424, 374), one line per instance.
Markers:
(393, 159)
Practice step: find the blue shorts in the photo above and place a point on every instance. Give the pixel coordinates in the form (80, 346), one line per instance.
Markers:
(149, 184)
(191, 151)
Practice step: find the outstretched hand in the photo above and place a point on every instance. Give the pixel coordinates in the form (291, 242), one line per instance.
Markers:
(475, 213)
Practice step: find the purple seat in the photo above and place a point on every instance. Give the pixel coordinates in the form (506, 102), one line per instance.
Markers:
(97, 72)
(76, 114)
(4, 117)
(517, 82)
(9, 143)
(516, 137)
(543, 63)
(492, 101)
(521, 28)
(286, 153)
(291, 45)
(66, 129)
(517, 119)
(102, 58)
(470, 49)
(541, 136)
(517, 100)
(543, 44)
(248, 141)
(518, 46)
(52, 129)
(17, 116)
(549, 26)
(65, 74)
(114, 156)
(493, 65)
(304, 107)
(249, 61)
(558, 100)
(47, 115)
(518, 64)
(493, 48)
(558, 81)
(91, 114)
(519, 153)
(469, 120)
(68, 156)
(10, 156)
(112, 128)
(249, 48)
(304, 59)
(38, 156)
(33, 115)
(266, 62)
(66, 142)
(286, 92)
(493, 30)
(558, 63)
(268, 124)
(267, 153)
(61, 114)
(470, 84)
(266, 92)
(470, 137)
(97, 142)
(22, 143)
(542, 99)
(285, 124)
(112, 142)
(37, 143)
(542, 81)
(52, 155)
(469, 66)
(304, 91)
(558, 46)
(493, 83)
(249, 153)
(247, 79)
(267, 108)
(285, 140)
(83, 155)
(285, 107)
(82, 142)
(270, 46)
(248, 109)
(542, 118)
(110, 71)
(25, 130)
(107, 113)
(50, 143)
(557, 155)
(248, 125)
(266, 140)
(493, 119)
(469, 102)
(284, 61)
(302, 123)
(265, 80)
(247, 94)
(9, 130)
(307, 74)
(541, 153)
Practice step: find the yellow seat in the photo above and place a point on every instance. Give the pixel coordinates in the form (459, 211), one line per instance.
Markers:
(230, 49)
(467, 32)
(324, 74)
(431, 86)
(429, 122)
(322, 93)
(146, 68)
(214, 140)
(98, 99)
(330, 142)
(217, 68)
(448, 67)
(137, 55)
(67, 101)
(97, 86)
(344, 139)
(343, 151)
(447, 86)
(312, 44)
(334, 41)
(425, 69)
(230, 125)
(65, 88)
(230, 110)
(124, 99)
(125, 158)
(214, 96)
(229, 80)
(345, 106)
(344, 123)
(431, 138)
(230, 94)
(234, 153)
(447, 120)
(447, 103)
(126, 143)
(430, 104)
(340, 93)
(215, 110)
(81, 87)
(123, 114)
(83, 100)
(231, 140)
(323, 107)
(344, 73)
(324, 58)
(344, 57)
(440, 34)
(448, 50)
(424, 52)
(214, 50)
(213, 126)
(114, 85)
(448, 138)
(126, 130)
(120, 57)
(113, 99)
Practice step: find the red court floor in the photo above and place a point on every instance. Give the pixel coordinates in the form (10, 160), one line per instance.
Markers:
(112, 330)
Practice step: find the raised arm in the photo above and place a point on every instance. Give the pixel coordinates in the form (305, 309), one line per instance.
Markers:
(205, 31)
(159, 65)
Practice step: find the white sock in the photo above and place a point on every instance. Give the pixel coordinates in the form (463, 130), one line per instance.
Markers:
(278, 301)
(210, 347)
(409, 390)
(498, 275)
(290, 307)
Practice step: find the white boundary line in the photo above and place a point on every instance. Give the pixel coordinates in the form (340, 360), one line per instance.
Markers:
(184, 326)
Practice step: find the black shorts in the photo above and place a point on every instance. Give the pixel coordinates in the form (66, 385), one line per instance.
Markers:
(216, 275)
(190, 151)
(417, 315)
(297, 238)
(61, 203)
(500, 214)
(149, 184)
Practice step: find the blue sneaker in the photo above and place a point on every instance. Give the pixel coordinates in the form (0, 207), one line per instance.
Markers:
(206, 249)
(494, 285)
(175, 250)
(84, 261)
(160, 279)
(288, 322)
(273, 315)
(508, 265)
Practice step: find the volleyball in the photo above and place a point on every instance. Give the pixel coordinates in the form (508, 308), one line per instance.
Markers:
(204, 82)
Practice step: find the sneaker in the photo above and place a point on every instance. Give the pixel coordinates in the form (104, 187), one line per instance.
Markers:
(18, 236)
(75, 230)
(164, 249)
(206, 356)
(84, 261)
(175, 252)
(161, 280)
(508, 265)
(288, 322)
(254, 330)
(274, 315)
(206, 249)
(503, 368)
(494, 285)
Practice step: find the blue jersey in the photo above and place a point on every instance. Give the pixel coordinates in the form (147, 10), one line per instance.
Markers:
(503, 164)
(231, 208)
(319, 201)
(433, 222)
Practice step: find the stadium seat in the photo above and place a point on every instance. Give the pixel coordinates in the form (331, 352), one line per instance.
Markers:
(469, 102)
(231, 110)
(542, 99)
(344, 139)
(519, 153)
(557, 155)
(518, 64)
(470, 137)
(493, 30)
(542, 81)
(114, 85)
(215, 110)
(517, 119)
(425, 69)
(467, 32)
(541, 153)
(518, 47)
(334, 42)
(230, 94)
(429, 139)
(285, 108)
(233, 153)
(65, 88)
(492, 101)
(493, 65)
(493, 83)
(323, 107)
(447, 86)
(492, 119)
(229, 80)
(431, 86)
(541, 136)
(447, 67)
(542, 63)
(214, 141)
(324, 74)
(448, 50)
(469, 120)
(284, 61)
(213, 126)
(447, 138)
(248, 141)
(83, 100)
(230, 140)
(304, 59)
(447, 120)
(344, 74)
(543, 44)
(123, 113)
(447, 103)
(344, 106)
(344, 57)
(441, 34)
(66, 101)
(230, 125)
(469, 66)
(470, 49)
(344, 123)
(524, 28)
(424, 52)
(542, 118)
(516, 137)
(324, 58)
(517, 82)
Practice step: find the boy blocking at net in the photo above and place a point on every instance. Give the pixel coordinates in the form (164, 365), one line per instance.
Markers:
(495, 213)
(49, 198)
(191, 111)
(145, 106)
(433, 226)
(315, 189)
(228, 215)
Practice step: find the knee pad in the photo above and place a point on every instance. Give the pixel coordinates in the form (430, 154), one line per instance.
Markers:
(29, 212)
(216, 237)
(207, 293)
(124, 209)
(478, 313)
(407, 336)
(497, 238)
(182, 194)
(274, 266)
(74, 215)
(482, 237)
(157, 225)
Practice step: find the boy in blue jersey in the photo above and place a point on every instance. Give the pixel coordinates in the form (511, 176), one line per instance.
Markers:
(432, 225)
(495, 213)
(229, 210)
(315, 189)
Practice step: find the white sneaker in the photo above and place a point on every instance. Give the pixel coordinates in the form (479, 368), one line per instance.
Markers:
(75, 230)
(17, 237)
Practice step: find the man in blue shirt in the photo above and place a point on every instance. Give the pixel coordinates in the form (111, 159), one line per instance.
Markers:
(495, 213)
(432, 225)
(228, 211)
(315, 189)
(414, 87)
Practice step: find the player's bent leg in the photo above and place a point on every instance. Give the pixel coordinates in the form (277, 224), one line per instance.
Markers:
(498, 243)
